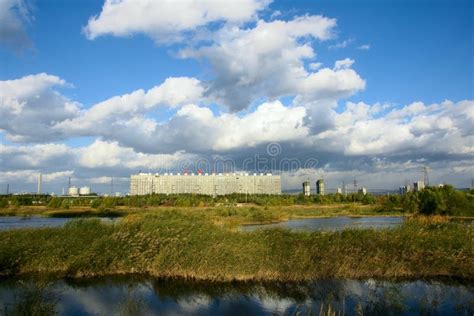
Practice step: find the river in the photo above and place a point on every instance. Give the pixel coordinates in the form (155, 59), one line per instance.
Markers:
(333, 223)
(15, 222)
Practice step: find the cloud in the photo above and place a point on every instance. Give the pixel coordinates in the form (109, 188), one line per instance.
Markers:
(248, 63)
(111, 154)
(14, 14)
(167, 21)
(95, 164)
(34, 156)
(413, 130)
(364, 47)
(99, 154)
(31, 106)
(126, 111)
(35, 111)
(342, 44)
(315, 66)
(31, 176)
(263, 61)
(343, 64)
(196, 128)
(329, 85)
(269, 122)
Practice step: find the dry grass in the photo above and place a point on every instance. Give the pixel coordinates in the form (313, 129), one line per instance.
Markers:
(186, 243)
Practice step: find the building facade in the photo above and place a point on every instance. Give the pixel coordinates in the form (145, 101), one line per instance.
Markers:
(418, 185)
(404, 189)
(74, 191)
(215, 184)
(306, 188)
(320, 187)
(85, 190)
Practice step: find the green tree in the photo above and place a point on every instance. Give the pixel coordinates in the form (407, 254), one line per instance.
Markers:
(55, 202)
(431, 202)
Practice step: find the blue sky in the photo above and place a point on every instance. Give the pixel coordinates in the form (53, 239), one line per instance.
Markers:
(425, 48)
(399, 53)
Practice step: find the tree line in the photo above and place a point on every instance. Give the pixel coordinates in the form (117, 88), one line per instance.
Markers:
(443, 200)
(432, 200)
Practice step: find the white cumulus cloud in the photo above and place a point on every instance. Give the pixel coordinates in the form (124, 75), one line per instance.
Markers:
(264, 61)
(31, 106)
(167, 21)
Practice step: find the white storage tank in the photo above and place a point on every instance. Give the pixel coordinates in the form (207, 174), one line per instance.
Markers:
(73, 191)
(85, 191)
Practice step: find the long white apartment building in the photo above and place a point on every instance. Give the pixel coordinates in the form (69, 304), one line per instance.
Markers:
(214, 184)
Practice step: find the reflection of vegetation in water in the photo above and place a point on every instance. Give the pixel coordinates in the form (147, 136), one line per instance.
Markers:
(32, 298)
(328, 297)
(134, 296)
(382, 297)
(132, 304)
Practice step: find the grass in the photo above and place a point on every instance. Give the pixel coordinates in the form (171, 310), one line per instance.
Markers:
(187, 243)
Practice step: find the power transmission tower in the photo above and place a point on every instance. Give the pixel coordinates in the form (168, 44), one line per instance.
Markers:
(355, 186)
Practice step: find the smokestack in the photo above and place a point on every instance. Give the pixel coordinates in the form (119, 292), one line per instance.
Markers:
(8, 188)
(40, 182)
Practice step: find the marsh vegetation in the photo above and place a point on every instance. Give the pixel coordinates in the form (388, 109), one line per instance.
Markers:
(190, 244)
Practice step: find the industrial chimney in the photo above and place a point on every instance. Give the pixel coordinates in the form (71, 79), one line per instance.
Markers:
(40, 182)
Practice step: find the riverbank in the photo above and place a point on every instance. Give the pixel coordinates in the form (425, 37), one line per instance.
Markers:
(240, 213)
(188, 244)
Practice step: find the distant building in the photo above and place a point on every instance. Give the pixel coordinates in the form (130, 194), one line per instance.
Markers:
(85, 191)
(320, 187)
(306, 188)
(418, 186)
(404, 189)
(339, 190)
(74, 191)
(215, 184)
(363, 191)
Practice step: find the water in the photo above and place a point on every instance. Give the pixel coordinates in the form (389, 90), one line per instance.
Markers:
(15, 222)
(333, 223)
(145, 296)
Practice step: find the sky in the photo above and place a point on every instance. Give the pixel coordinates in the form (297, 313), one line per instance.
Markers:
(341, 90)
